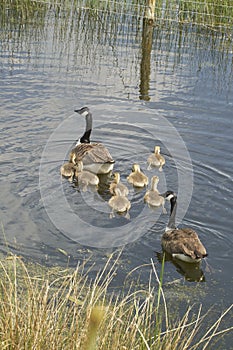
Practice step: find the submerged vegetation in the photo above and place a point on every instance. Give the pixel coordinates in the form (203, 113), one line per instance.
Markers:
(218, 14)
(177, 26)
(70, 28)
(64, 309)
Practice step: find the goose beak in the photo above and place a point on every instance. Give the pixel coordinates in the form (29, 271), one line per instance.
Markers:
(83, 111)
(78, 111)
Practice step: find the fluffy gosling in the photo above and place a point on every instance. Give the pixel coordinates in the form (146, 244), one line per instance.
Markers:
(156, 159)
(137, 178)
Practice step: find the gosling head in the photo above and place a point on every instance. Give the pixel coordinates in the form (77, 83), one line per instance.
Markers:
(116, 178)
(157, 149)
(84, 111)
(154, 180)
(135, 167)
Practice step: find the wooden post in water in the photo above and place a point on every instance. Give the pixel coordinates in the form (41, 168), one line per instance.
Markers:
(147, 39)
(150, 11)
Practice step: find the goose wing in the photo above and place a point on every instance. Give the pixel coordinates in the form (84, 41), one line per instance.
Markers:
(91, 153)
(184, 241)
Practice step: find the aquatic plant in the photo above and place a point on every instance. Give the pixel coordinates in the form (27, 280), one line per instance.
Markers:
(216, 14)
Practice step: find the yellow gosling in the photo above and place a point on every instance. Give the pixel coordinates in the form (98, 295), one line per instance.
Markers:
(117, 184)
(137, 178)
(68, 171)
(119, 204)
(152, 196)
(84, 177)
(156, 159)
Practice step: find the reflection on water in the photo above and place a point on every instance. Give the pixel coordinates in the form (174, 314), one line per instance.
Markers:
(66, 40)
(56, 59)
(191, 272)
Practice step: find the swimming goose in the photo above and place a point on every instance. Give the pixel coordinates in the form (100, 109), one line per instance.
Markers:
(95, 156)
(137, 178)
(119, 204)
(84, 177)
(156, 159)
(184, 243)
(117, 184)
(68, 170)
(152, 196)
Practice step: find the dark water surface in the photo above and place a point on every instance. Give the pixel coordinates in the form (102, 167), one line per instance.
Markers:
(57, 61)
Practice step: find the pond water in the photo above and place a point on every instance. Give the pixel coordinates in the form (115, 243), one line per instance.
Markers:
(55, 61)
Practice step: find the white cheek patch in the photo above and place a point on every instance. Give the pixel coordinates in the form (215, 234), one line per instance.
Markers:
(169, 197)
(85, 113)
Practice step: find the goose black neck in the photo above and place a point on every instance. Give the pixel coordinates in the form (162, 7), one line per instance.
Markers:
(173, 202)
(87, 134)
(172, 220)
(88, 121)
(86, 137)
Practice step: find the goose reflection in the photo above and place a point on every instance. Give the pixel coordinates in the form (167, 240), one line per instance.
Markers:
(191, 272)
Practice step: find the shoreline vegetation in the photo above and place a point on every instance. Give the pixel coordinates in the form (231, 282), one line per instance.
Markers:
(57, 308)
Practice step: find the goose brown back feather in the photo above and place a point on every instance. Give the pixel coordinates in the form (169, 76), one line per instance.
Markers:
(183, 241)
(90, 153)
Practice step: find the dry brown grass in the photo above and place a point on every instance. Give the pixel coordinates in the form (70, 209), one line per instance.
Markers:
(63, 309)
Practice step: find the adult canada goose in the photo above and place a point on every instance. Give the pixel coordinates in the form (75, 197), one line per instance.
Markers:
(68, 170)
(85, 177)
(184, 243)
(152, 196)
(95, 156)
(117, 184)
(156, 159)
(119, 204)
(137, 178)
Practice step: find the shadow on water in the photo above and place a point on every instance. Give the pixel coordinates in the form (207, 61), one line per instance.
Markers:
(58, 57)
